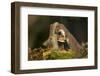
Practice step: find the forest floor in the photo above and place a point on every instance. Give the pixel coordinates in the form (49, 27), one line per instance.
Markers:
(49, 54)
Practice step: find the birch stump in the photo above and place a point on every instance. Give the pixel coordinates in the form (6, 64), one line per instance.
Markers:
(52, 39)
(73, 43)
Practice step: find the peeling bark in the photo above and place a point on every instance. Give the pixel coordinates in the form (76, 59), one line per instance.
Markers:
(73, 43)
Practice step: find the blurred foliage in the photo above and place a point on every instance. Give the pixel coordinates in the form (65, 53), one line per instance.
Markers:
(52, 54)
(84, 50)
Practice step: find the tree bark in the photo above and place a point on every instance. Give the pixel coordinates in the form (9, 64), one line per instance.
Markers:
(73, 43)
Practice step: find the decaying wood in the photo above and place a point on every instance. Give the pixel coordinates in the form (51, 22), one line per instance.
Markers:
(52, 39)
(73, 43)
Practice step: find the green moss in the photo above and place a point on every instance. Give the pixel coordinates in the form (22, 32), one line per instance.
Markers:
(50, 54)
(57, 54)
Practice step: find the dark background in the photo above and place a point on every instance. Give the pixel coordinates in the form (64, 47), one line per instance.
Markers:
(38, 28)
